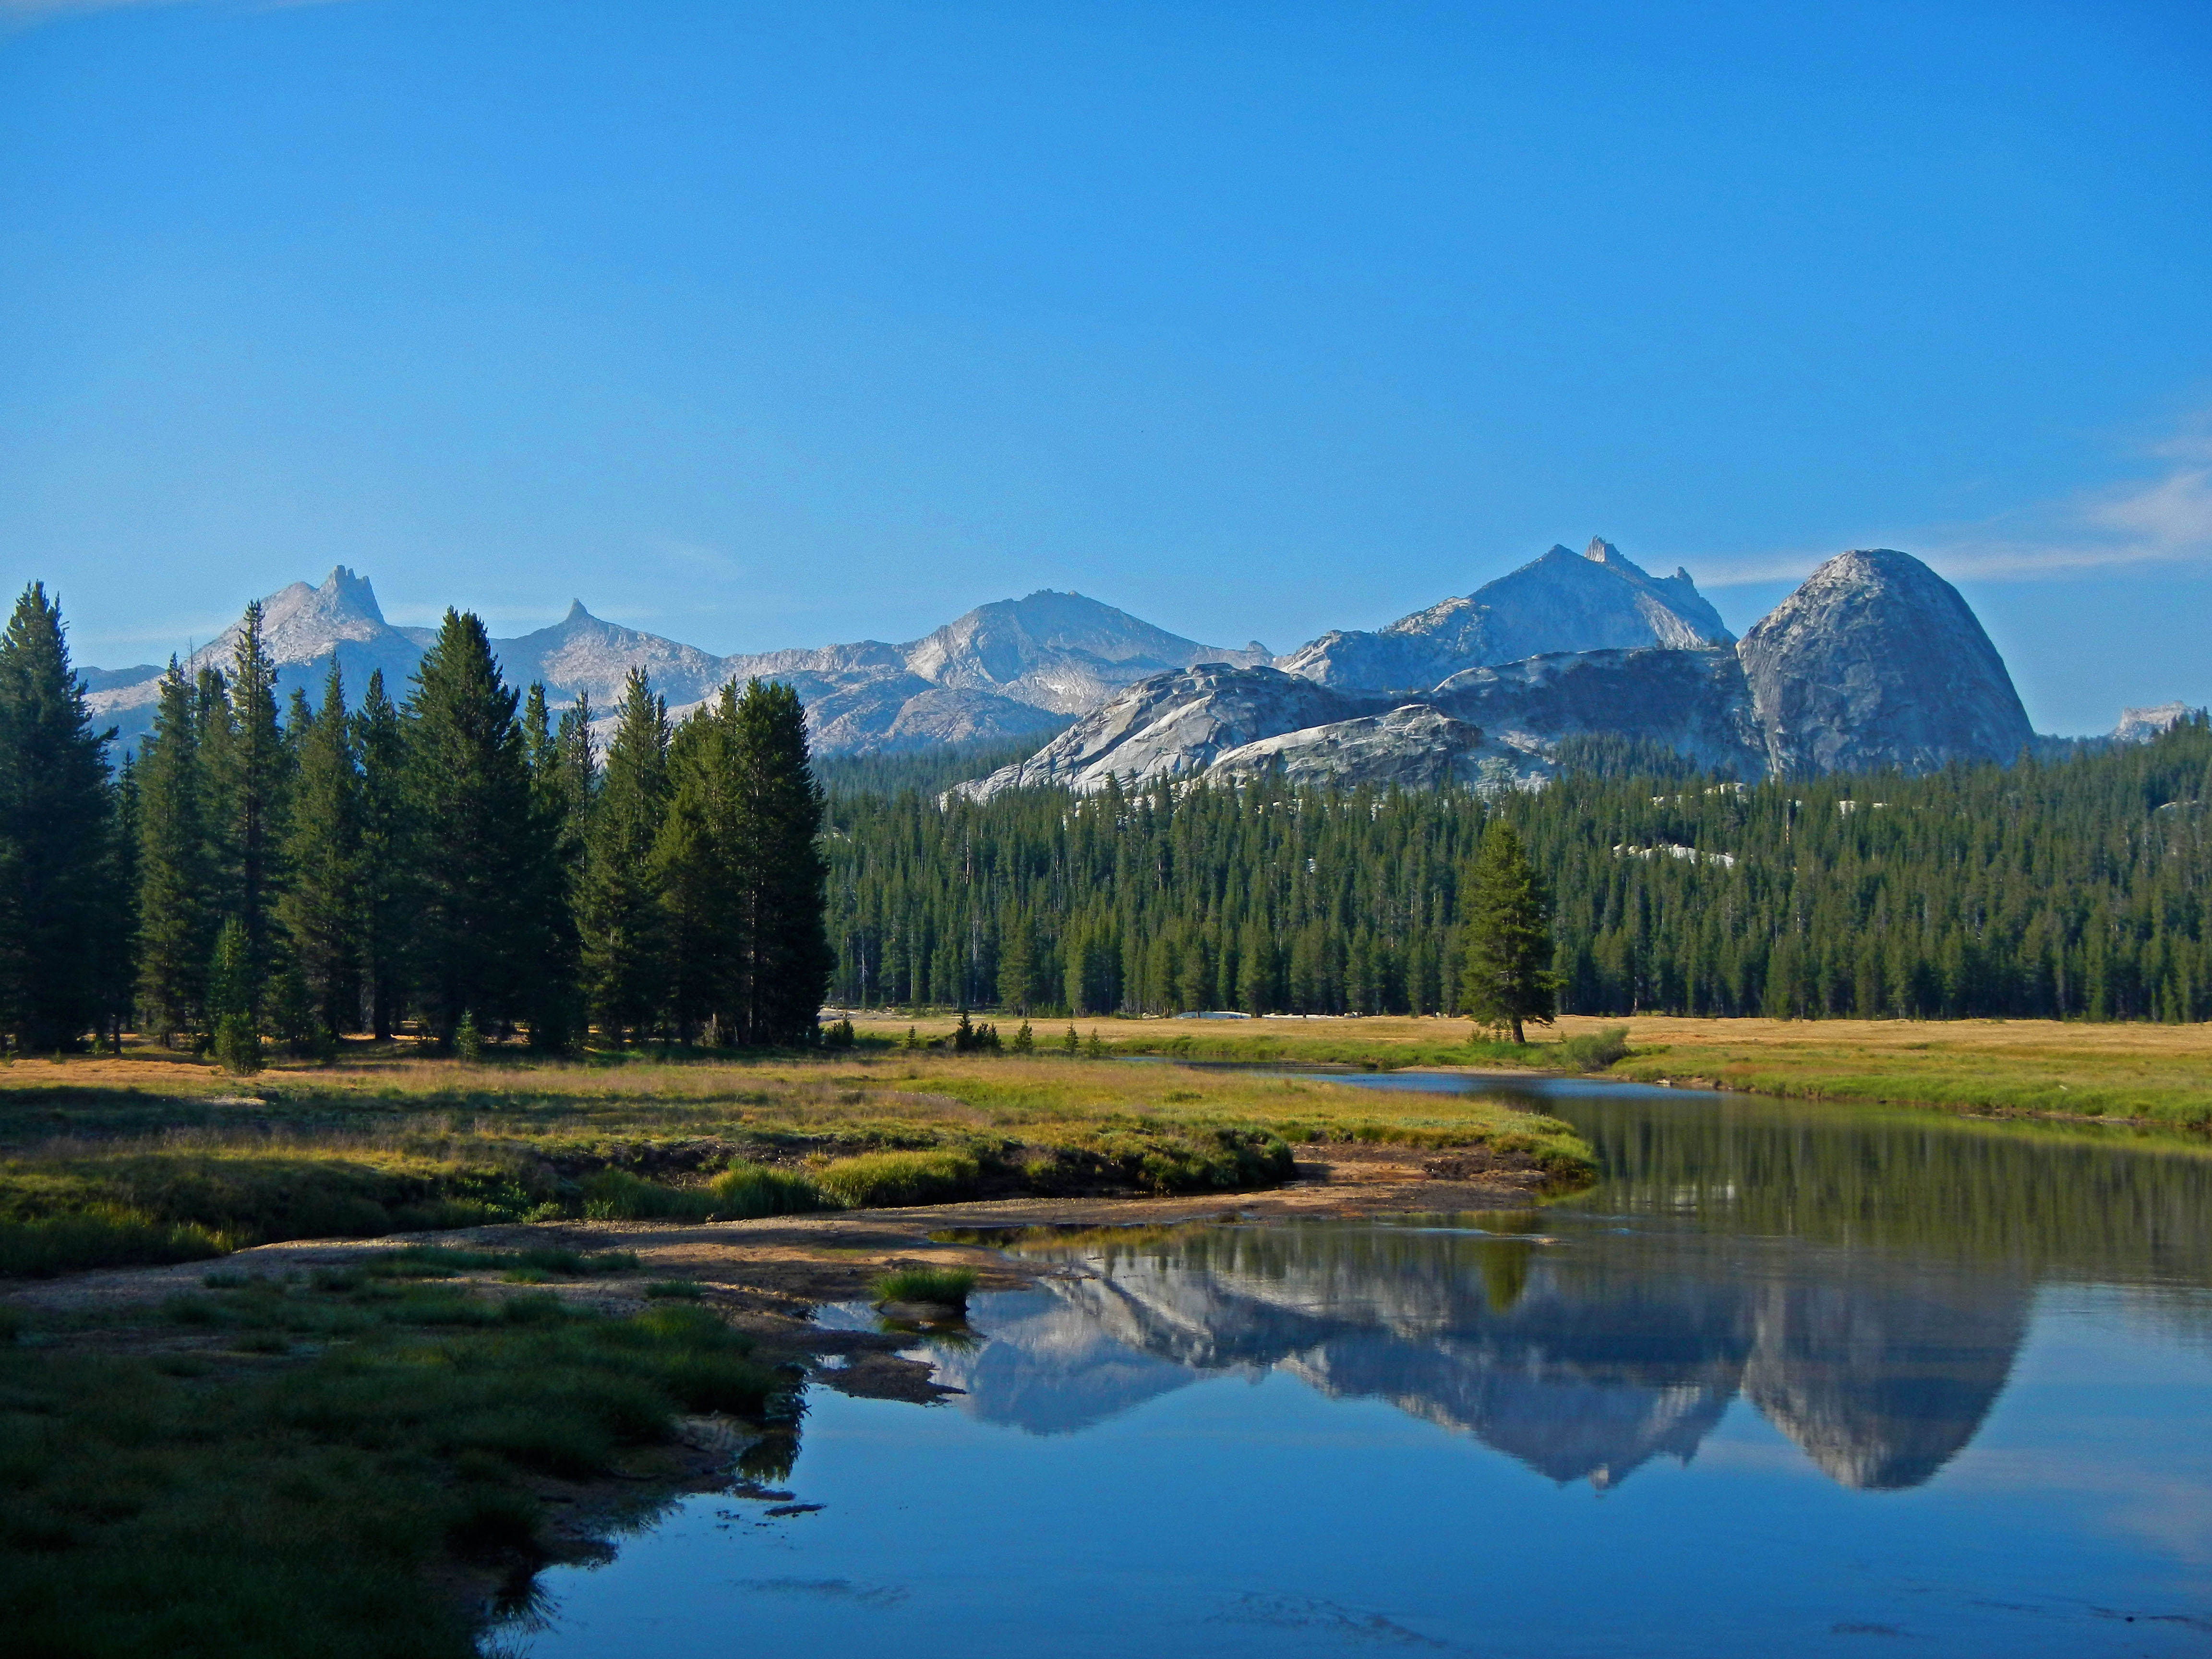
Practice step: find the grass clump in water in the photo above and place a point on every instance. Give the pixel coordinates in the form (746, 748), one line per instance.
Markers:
(944, 1287)
(877, 1179)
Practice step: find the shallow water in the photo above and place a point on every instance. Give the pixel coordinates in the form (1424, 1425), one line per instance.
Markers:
(1790, 1380)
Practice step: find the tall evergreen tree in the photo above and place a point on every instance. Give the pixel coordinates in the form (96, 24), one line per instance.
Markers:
(322, 906)
(380, 741)
(480, 847)
(251, 765)
(701, 925)
(554, 1002)
(620, 915)
(176, 908)
(56, 817)
(785, 956)
(1508, 978)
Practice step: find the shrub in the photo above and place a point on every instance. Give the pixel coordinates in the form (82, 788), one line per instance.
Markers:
(1596, 1050)
(675, 1290)
(947, 1287)
(237, 1047)
(876, 1179)
(468, 1041)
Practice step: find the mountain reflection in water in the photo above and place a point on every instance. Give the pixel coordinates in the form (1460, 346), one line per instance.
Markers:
(1863, 1280)
(1583, 1358)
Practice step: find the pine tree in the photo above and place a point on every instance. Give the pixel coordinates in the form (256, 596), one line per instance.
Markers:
(1508, 977)
(322, 908)
(620, 914)
(57, 814)
(176, 878)
(702, 919)
(785, 956)
(233, 989)
(380, 741)
(479, 847)
(555, 997)
(250, 767)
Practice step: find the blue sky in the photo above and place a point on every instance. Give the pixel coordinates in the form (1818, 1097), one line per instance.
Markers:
(765, 325)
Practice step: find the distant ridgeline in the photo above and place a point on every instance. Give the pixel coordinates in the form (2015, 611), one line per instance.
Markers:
(2074, 887)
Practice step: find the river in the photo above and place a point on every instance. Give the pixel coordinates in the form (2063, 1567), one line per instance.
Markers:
(1789, 1379)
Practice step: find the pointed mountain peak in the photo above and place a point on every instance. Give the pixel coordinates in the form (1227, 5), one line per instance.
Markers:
(344, 594)
(1600, 552)
(577, 613)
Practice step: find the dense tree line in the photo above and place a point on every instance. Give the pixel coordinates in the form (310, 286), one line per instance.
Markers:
(459, 858)
(2071, 888)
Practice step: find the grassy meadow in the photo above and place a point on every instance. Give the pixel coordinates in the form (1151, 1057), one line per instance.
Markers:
(2154, 1073)
(2159, 1074)
(346, 1461)
(148, 1157)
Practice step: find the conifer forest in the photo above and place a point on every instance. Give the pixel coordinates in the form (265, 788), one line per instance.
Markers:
(445, 856)
(2073, 888)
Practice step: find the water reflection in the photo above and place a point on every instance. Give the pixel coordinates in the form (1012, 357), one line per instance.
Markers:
(1863, 1280)
(1584, 1356)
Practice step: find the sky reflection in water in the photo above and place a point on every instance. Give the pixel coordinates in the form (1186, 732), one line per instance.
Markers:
(1791, 1381)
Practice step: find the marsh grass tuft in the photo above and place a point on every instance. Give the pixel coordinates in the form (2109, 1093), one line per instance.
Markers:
(1593, 1051)
(944, 1287)
(102, 1236)
(877, 1179)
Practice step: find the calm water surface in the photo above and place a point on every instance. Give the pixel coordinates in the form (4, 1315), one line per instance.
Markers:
(1791, 1380)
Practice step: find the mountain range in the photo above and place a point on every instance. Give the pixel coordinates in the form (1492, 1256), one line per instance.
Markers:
(1874, 661)
(1008, 670)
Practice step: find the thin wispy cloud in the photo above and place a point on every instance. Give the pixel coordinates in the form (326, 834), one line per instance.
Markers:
(2163, 519)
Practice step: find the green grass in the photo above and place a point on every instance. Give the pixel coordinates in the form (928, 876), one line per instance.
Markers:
(746, 1190)
(1593, 1051)
(945, 1287)
(1268, 1044)
(237, 1502)
(881, 1179)
(106, 1162)
(101, 1235)
(683, 1290)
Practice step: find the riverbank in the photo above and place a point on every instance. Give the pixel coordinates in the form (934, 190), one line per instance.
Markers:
(371, 1447)
(148, 1158)
(2139, 1074)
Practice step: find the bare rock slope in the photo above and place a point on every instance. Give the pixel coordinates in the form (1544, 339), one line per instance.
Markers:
(1877, 661)
(1596, 600)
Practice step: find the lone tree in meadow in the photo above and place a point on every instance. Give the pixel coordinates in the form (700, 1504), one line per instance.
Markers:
(1507, 914)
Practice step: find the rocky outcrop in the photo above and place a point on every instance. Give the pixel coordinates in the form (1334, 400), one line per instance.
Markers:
(2142, 725)
(1693, 702)
(1876, 661)
(1174, 724)
(1495, 726)
(1597, 600)
(1413, 747)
